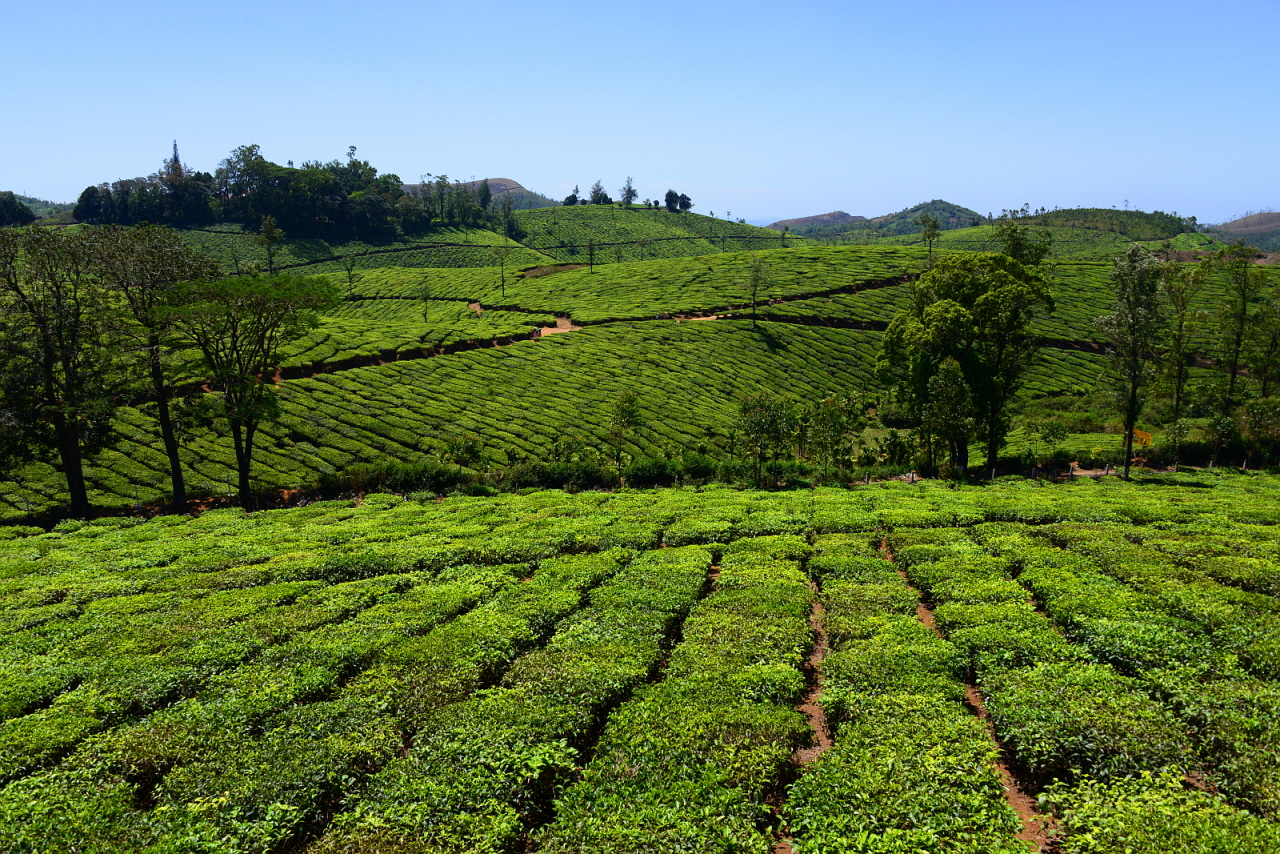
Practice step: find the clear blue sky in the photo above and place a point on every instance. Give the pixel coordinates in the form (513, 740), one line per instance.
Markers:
(768, 110)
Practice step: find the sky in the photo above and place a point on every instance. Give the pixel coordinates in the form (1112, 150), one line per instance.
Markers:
(759, 110)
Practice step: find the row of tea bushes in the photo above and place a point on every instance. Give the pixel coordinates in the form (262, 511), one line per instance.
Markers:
(480, 772)
(265, 754)
(887, 785)
(686, 764)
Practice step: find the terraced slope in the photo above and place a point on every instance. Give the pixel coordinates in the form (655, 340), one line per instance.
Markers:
(638, 234)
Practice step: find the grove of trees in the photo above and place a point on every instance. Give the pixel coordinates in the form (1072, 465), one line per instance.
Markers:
(95, 318)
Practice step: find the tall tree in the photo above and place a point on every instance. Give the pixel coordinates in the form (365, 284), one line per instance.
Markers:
(1182, 321)
(672, 201)
(1263, 347)
(685, 202)
(502, 253)
(61, 355)
(767, 424)
(269, 234)
(146, 264)
(757, 280)
(625, 417)
(931, 230)
(948, 413)
(1019, 241)
(598, 195)
(976, 308)
(628, 193)
(239, 326)
(1244, 284)
(1133, 331)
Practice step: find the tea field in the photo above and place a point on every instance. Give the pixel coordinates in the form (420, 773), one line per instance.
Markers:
(518, 400)
(639, 234)
(391, 376)
(624, 672)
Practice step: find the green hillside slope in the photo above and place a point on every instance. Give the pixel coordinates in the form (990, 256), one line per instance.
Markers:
(389, 376)
(234, 248)
(636, 234)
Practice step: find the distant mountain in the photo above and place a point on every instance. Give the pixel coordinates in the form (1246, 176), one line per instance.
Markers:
(522, 197)
(40, 207)
(1261, 230)
(837, 223)
(948, 215)
(833, 218)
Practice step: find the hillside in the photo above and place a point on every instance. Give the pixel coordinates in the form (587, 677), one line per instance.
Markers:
(637, 233)
(949, 216)
(521, 197)
(1261, 230)
(833, 218)
(1069, 244)
(1133, 225)
(41, 207)
(379, 381)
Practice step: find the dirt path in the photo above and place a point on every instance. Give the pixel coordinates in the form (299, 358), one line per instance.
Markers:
(1019, 799)
(811, 707)
(563, 324)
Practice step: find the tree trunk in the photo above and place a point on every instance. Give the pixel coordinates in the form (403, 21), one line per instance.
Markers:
(241, 438)
(1130, 421)
(993, 446)
(178, 483)
(246, 464)
(72, 459)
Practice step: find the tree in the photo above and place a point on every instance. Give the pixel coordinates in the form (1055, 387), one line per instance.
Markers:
(948, 413)
(598, 195)
(757, 279)
(1133, 332)
(672, 201)
(146, 264)
(502, 253)
(1244, 284)
(14, 212)
(1263, 347)
(239, 326)
(931, 230)
(766, 424)
(975, 308)
(628, 193)
(1018, 241)
(1181, 287)
(269, 234)
(61, 353)
(348, 265)
(624, 418)
(685, 203)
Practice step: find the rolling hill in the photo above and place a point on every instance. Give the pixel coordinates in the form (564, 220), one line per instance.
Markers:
(1261, 230)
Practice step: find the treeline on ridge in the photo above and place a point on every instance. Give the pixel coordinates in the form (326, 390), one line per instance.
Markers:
(334, 200)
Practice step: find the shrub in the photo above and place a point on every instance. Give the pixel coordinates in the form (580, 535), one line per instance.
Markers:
(649, 472)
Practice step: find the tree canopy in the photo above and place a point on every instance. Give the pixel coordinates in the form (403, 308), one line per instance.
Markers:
(975, 309)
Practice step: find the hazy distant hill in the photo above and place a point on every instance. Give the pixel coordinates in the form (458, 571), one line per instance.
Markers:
(1261, 230)
(833, 218)
(40, 207)
(522, 197)
(948, 215)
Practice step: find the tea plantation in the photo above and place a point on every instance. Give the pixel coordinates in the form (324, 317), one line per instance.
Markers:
(391, 375)
(624, 672)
